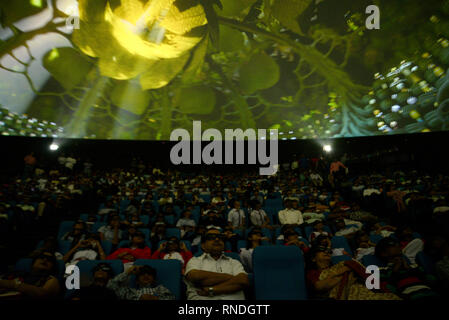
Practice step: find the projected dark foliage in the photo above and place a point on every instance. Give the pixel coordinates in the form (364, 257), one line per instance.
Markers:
(137, 69)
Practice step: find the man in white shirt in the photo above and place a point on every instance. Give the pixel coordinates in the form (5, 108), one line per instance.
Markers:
(259, 217)
(236, 217)
(291, 215)
(214, 276)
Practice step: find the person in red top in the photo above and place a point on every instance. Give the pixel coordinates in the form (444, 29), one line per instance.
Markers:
(30, 162)
(137, 250)
(173, 249)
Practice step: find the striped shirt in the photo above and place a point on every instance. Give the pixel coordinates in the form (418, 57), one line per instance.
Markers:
(122, 288)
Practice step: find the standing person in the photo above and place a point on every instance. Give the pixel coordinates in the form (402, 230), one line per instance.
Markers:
(30, 162)
(213, 275)
(337, 170)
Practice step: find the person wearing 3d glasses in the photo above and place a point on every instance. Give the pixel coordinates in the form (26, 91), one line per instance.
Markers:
(213, 275)
(102, 273)
(40, 283)
(173, 249)
(146, 286)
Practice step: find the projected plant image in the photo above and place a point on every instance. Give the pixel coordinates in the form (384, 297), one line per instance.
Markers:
(137, 69)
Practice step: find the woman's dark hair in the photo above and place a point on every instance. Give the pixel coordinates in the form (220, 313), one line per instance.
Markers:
(318, 241)
(384, 244)
(53, 260)
(250, 234)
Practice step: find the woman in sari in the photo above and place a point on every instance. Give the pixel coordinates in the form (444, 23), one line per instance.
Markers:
(343, 281)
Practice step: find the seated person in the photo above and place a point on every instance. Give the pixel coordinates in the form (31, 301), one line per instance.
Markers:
(363, 245)
(259, 217)
(408, 282)
(50, 245)
(437, 248)
(165, 199)
(186, 223)
(147, 208)
(158, 234)
(325, 241)
(291, 215)
(146, 285)
(214, 276)
(214, 219)
(111, 232)
(236, 217)
(384, 231)
(89, 249)
(199, 233)
(108, 208)
(343, 230)
(254, 240)
(90, 223)
(137, 250)
(410, 246)
(77, 234)
(231, 237)
(292, 238)
(318, 229)
(133, 219)
(343, 281)
(39, 283)
(133, 207)
(97, 290)
(218, 199)
(357, 214)
(173, 249)
(130, 232)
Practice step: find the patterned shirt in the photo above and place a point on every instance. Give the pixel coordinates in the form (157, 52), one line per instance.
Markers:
(121, 286)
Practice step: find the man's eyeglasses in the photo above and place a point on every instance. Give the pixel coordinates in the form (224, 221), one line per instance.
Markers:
(324, 249)
(213, 236)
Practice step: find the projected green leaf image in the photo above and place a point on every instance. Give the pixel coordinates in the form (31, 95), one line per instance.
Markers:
(138, 69)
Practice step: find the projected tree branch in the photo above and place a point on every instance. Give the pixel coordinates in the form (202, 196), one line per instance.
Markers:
(139, 69)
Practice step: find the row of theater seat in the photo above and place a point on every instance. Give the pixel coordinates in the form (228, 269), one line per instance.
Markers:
(278, 272)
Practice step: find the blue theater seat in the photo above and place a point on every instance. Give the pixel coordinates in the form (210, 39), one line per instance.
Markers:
(279, 273)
